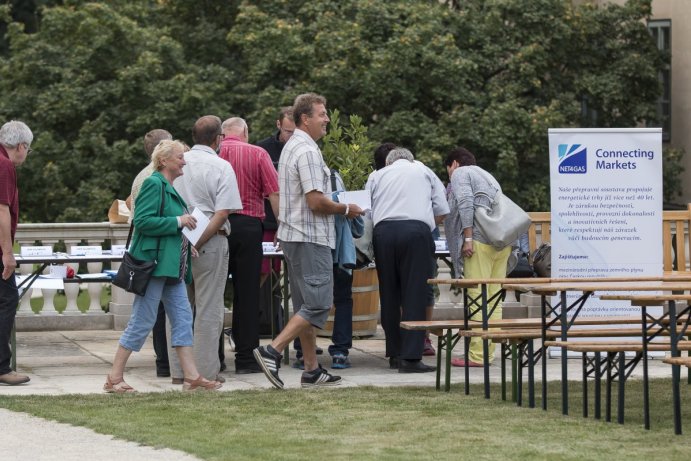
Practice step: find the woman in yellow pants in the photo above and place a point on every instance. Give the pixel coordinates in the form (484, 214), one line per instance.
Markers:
(471, 187)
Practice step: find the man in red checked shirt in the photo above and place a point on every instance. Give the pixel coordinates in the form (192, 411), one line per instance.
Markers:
(15, 142)
(257, 180)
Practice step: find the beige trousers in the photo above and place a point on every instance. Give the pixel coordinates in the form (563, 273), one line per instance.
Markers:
(209, 275)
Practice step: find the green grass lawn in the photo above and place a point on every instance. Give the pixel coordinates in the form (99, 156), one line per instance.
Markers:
(367, 423)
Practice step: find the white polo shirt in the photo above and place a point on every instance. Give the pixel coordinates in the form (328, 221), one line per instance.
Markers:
(208, 183)
(407, 190)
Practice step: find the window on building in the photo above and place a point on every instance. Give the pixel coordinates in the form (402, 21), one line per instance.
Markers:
(661, 30)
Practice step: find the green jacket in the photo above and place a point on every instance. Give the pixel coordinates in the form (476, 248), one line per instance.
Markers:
(149, 227)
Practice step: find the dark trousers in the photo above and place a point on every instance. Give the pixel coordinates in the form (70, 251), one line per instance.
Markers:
(403, 252)
(342, 337)
(245, 260)
(9, 299)
(160, 341)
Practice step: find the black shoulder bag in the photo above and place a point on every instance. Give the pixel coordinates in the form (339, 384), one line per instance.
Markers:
(133, 274)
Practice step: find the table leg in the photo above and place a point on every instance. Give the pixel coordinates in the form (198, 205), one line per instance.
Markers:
(514, 372)
(449, 348)
(564, 364)
(485, 342)
(676, 369)
(598, 395)
(622, 382)
(439, 349)
(646, 391)
(585, 384)
(519, 384)
(543, 314)
(503, 370)
(531, 375)
(466, 340)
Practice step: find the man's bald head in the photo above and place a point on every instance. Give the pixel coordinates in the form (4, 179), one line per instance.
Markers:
(206, 130)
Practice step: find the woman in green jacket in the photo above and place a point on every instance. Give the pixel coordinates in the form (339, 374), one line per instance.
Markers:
(160, 215)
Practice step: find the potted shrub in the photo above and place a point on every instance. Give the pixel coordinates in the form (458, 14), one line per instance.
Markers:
(347, 149)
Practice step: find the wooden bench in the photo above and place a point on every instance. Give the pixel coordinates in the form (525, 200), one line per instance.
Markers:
(615, 367)
(657, 327)
(519, 340)
(679, 361)
(447, 339)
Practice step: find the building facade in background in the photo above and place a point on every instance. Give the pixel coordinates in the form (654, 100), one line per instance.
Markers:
(670, 26)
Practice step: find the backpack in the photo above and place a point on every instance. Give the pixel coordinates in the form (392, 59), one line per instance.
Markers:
(542, 260)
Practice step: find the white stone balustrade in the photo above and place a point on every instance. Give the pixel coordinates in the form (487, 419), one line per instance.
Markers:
(71, 234)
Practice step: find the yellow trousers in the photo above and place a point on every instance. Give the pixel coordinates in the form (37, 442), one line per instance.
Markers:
(486, 262)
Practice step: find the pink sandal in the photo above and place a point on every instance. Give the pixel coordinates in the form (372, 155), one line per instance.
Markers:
(119, 387)
(200, 384)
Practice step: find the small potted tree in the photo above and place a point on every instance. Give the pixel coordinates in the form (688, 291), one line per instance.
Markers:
(348, 149)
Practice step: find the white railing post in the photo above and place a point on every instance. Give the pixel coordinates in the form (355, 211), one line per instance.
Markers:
(25, 304)
(72, 289)
(94, 290)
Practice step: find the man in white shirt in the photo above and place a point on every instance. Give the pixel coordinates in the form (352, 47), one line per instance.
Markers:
(408, 201)
(209, 184)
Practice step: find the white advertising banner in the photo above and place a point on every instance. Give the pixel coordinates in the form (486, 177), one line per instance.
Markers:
(606, 194)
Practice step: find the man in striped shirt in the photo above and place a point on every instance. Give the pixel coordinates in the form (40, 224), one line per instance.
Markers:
(307, 235)
(257, 180)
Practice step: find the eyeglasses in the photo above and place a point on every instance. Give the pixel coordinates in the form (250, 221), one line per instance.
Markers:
(28, 150)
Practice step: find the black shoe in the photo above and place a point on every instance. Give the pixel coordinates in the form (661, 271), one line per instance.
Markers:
(223, 366)
(163, 373)
(269, 364)
(319, 378)
(319, 350)
(393, 363)
(414, 366)
(247, 370)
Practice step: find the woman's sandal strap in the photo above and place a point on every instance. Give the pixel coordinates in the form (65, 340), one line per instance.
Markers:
(120, 387)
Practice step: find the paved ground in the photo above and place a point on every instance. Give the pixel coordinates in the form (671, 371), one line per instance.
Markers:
(65, 362)
(77, 362)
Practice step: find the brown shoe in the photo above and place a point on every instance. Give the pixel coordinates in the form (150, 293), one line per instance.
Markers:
(13, 378)
(177, 380)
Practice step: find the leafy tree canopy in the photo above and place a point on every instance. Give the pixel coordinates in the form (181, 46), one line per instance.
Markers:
(491, 75)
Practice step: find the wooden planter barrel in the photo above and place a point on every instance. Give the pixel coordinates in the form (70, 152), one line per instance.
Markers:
(365, 304)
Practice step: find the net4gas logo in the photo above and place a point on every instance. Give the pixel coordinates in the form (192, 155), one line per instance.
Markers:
(573, 159)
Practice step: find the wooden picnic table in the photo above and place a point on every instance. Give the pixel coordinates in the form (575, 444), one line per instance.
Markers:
(676, 324)
(562, 309)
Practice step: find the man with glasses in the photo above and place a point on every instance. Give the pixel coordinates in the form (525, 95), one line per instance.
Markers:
(285, 126)
(274, 145)
(209, 184)
(15, 139)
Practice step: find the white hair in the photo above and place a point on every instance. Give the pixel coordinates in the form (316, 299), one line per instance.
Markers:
(14, 133)
(399, 153)
(234, 125)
